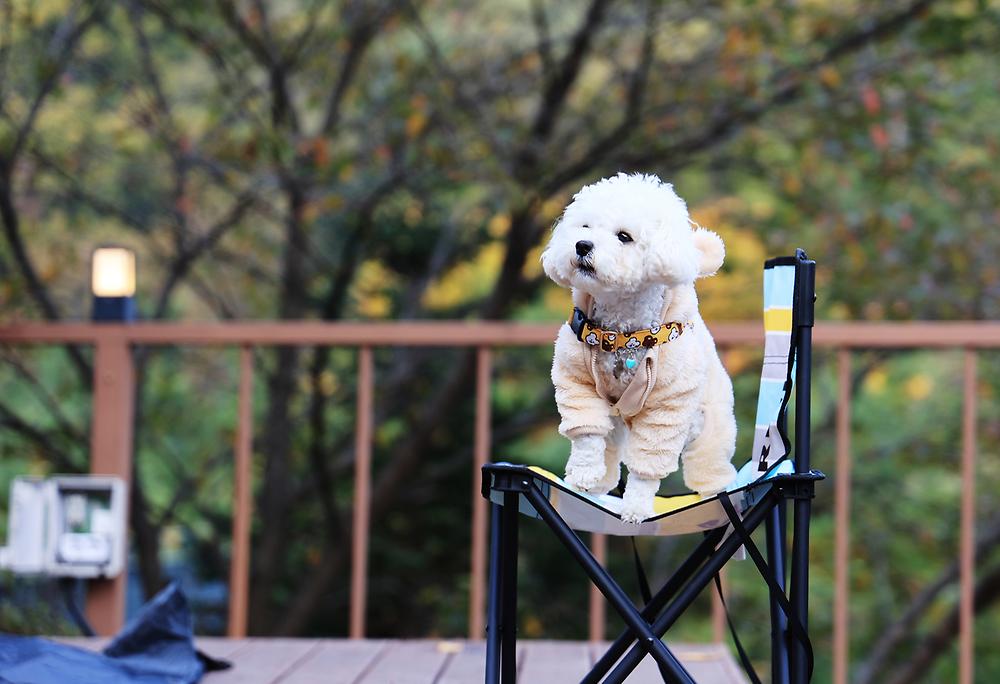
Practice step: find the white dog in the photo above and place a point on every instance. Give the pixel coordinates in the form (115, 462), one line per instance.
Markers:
(627, 248)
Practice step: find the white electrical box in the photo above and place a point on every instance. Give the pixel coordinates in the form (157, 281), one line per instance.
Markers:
(25, 550)
(66, 526)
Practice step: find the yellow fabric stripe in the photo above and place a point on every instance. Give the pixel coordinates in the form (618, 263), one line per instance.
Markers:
(547, 474)
(665, 504)
(778, 320)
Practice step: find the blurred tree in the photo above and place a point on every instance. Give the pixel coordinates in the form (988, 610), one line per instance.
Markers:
(400, 159)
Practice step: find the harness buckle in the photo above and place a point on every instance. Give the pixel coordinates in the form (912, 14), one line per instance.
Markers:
(577, 323)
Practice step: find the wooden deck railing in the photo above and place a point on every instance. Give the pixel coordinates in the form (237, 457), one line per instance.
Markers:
(111, 439)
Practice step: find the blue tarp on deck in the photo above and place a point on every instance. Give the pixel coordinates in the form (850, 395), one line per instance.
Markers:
(156, 647)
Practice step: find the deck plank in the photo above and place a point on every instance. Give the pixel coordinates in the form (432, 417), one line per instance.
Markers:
(707, 664)
(467, 664)
(336, 661)
(710, 663)
(408, 662)
(645, 673)
(342, 661)
(219, 647)
(263, 661)
(554, 662)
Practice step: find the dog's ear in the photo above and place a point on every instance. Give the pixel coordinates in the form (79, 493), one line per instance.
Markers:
(554, 260)
(711, 251)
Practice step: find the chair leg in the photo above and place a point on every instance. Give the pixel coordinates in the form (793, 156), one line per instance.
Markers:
(493, 599)
(804, 317)
(800, 587)
(508, 627)
(776, 561)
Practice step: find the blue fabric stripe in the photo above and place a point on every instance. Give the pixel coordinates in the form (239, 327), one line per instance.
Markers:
(769, 400)
(779, 287)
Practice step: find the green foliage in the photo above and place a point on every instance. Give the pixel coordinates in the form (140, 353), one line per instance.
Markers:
(219, 145)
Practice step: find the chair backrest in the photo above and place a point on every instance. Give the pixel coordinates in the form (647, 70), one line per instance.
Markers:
(770, 440)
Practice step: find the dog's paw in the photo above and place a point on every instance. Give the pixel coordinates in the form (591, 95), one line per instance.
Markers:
(610, 480)
(633, 517)
(636, 511)
(585, 477)
(637, 502)
(586, 468)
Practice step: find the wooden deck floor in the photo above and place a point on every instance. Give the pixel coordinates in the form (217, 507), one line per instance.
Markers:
(341, 661)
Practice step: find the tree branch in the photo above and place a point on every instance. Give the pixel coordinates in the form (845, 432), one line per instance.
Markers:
(230, 77)
(633, 111)
(60, 460)
(282, 105)
(39, 293)
(332, 309)
(6, 41)
(64, 43)
(935, 644)
(81, 436)
(363, 31)
(74, 189)
(901, 631)
(557, 89)
(787, 85)
(544, 48)
(189, 254)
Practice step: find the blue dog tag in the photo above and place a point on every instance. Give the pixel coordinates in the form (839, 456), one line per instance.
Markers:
(631, 363)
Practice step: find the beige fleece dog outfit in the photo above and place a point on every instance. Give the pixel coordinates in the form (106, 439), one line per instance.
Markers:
(678, 404)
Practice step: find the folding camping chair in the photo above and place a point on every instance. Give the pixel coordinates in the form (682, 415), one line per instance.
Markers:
(727, 520)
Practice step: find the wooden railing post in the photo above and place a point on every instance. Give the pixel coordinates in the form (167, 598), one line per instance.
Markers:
(842, 521)
(477, 580)
(598, 608)
(239, 562)
(719, 610)
(362, 494)
(111, 454)
(967, 529)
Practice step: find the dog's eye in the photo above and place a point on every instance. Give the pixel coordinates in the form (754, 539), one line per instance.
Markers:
(624, 237)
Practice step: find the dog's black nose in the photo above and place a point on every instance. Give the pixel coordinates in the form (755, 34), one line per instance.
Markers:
(584, 247)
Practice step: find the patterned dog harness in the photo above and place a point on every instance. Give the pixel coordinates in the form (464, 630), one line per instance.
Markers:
(612, 340)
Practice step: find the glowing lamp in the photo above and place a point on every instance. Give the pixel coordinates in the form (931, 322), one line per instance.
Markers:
(112, 282)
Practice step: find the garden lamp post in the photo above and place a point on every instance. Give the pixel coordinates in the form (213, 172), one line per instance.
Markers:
(112, 283)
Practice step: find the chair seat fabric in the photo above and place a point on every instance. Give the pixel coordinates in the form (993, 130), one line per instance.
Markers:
(675, 515)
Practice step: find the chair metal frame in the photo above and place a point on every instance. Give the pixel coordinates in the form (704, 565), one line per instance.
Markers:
(791, 658)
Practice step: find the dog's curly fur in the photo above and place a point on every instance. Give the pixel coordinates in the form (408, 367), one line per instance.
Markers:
(639, 272)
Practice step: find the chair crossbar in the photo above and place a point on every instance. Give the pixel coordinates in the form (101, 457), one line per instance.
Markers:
(795, 627)
(775, 538)
(699, 580)
(648, 641)
(656, 603)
